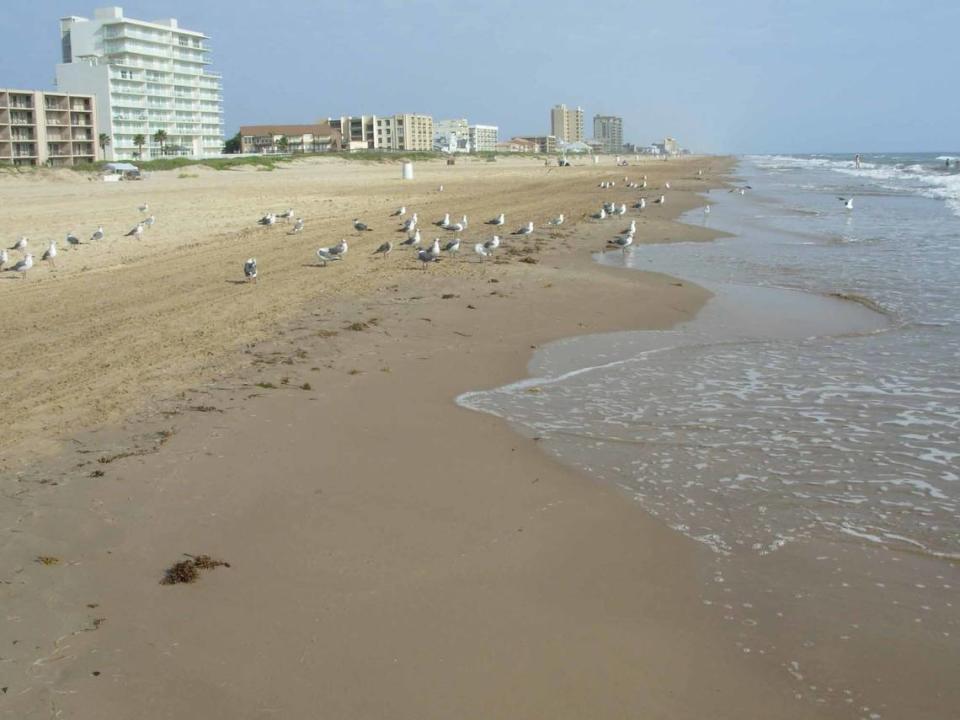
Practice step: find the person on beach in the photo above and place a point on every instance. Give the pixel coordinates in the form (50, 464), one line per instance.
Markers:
(856, 161)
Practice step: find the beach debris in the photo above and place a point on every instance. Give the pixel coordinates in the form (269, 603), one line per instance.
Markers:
(47, 560)
(250, 270)
(188, 571)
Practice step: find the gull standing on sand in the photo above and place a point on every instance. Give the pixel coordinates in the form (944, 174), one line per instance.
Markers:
(557, 221)
(400, 211)
(633, 227)
(457, 226)
(847, 202)
(97, 234)
(600, 215)
(661, 200)
(22, 266)
(498, 220)
(410, 224)
(20, 244)
(149, 222)
(326, 254)
(667, 184)
(268, 219)
(426, 255)
(444, 222)
(384, 249)
(641, 204)
(361, 227)
(73, 239)
(621, 210)
(297, 227)
(525, 230)
(413, 239)
(143, 208)
(4, 258)
(137, 232)
(250, 270)
(51, 253)
(287, 216)
(440, 189)
(480, 250)
(492, 244)
(452, 247)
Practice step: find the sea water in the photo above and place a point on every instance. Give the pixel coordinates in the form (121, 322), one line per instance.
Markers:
(806, 425)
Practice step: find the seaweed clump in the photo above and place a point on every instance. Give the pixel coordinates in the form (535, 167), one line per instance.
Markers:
(188, 571)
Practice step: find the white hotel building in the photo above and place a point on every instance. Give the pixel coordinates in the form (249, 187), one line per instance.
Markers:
(146, 76)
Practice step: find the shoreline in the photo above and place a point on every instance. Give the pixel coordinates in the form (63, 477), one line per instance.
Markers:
(375, 528)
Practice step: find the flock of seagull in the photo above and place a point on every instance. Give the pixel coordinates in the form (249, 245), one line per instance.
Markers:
(25, 263)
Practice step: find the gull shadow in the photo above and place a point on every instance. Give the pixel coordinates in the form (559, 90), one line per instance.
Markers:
(238, 282)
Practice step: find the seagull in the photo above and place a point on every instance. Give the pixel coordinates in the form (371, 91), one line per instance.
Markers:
(327, 254)
(525, 230)
(463, 221)
(4, 258)
(288, 215)
(558, 220)
(492, 244)
(297, 227)
(623, 242)
(268, 219)
(621, 210)
(97, 234)
(480, 250)
(137, 232)
(73, 239)
(51, 253)
(641, 204)
(250, 269)
(361, 227)
(600, 215)
(643, 185)
(498, 220)
(384, 249)
(667, 184)
(847, 202)
(400, 211)
(457, 226)
(427, 255)
(409, 224)
(609, 208)
(148, 223)
(706, 209)
(20, 244)
(452, 247)
(633, 227)
(143, 208)
(440, 189)
(412, 240)
(661, 200)
(23, 265)
(444, 222)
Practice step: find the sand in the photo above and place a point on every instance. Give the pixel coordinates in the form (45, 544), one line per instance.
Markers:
(391, 554)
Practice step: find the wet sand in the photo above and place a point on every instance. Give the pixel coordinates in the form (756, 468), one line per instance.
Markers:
(391, 554)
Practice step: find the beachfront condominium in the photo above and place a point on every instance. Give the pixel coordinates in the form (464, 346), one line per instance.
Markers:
(608, 131)
(452, 135)
(393, 132)
(483, 138)
(47, 128)
(565, 124)
(147, 76)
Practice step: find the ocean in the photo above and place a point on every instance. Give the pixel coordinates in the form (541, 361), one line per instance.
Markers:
(805, 426)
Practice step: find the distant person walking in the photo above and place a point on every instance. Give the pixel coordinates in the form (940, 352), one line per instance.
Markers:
(856, 161)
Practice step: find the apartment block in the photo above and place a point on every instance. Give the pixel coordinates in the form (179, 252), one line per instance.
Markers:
(608, 132)
(405, 132)
(483, 138)
(565, 124)
(47, 128)
(146, 76)
(544, 143)
(270, 139)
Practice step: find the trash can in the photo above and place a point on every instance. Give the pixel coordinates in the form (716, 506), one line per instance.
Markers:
(408, 170)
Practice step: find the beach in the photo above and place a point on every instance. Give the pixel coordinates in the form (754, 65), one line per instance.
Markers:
(391, 554)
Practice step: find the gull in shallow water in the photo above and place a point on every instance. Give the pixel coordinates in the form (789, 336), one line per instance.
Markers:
(361, 227)
(73, 239)
(525, 230)
(400, 211)
(51, 253)
(498, 220)
(250, 270)
(847, 203)
(623, 241)
(557, 221)
(97, 234)
(297, 227)
(137, 231)
(384, 249)
(20, 244)
(706, 209)
(22, 266)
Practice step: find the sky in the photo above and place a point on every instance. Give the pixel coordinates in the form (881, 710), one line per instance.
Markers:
(723, 76)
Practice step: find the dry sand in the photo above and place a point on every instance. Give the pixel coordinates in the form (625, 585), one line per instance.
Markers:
(392, 555)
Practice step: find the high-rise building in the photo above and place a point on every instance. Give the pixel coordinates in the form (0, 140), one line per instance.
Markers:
(565, 124)
(484, 138)
(47, 128)
(405, 132)
(608, 131)
(452, 135)
(146, 77)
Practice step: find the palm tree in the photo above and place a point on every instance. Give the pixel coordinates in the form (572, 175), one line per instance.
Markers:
(283, 143)
(160, 137)
(104, 143)
(139, 141)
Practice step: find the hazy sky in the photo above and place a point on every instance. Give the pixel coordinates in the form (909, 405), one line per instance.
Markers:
(720, 75)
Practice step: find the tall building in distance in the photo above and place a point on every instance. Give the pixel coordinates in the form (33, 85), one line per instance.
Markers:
(451, 135)
(483, 138)
(565, 124)
(146, 77)
(406, 131)
(47, 128)
(608, 131)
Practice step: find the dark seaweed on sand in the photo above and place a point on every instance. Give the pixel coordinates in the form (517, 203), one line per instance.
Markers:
(188, 571)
